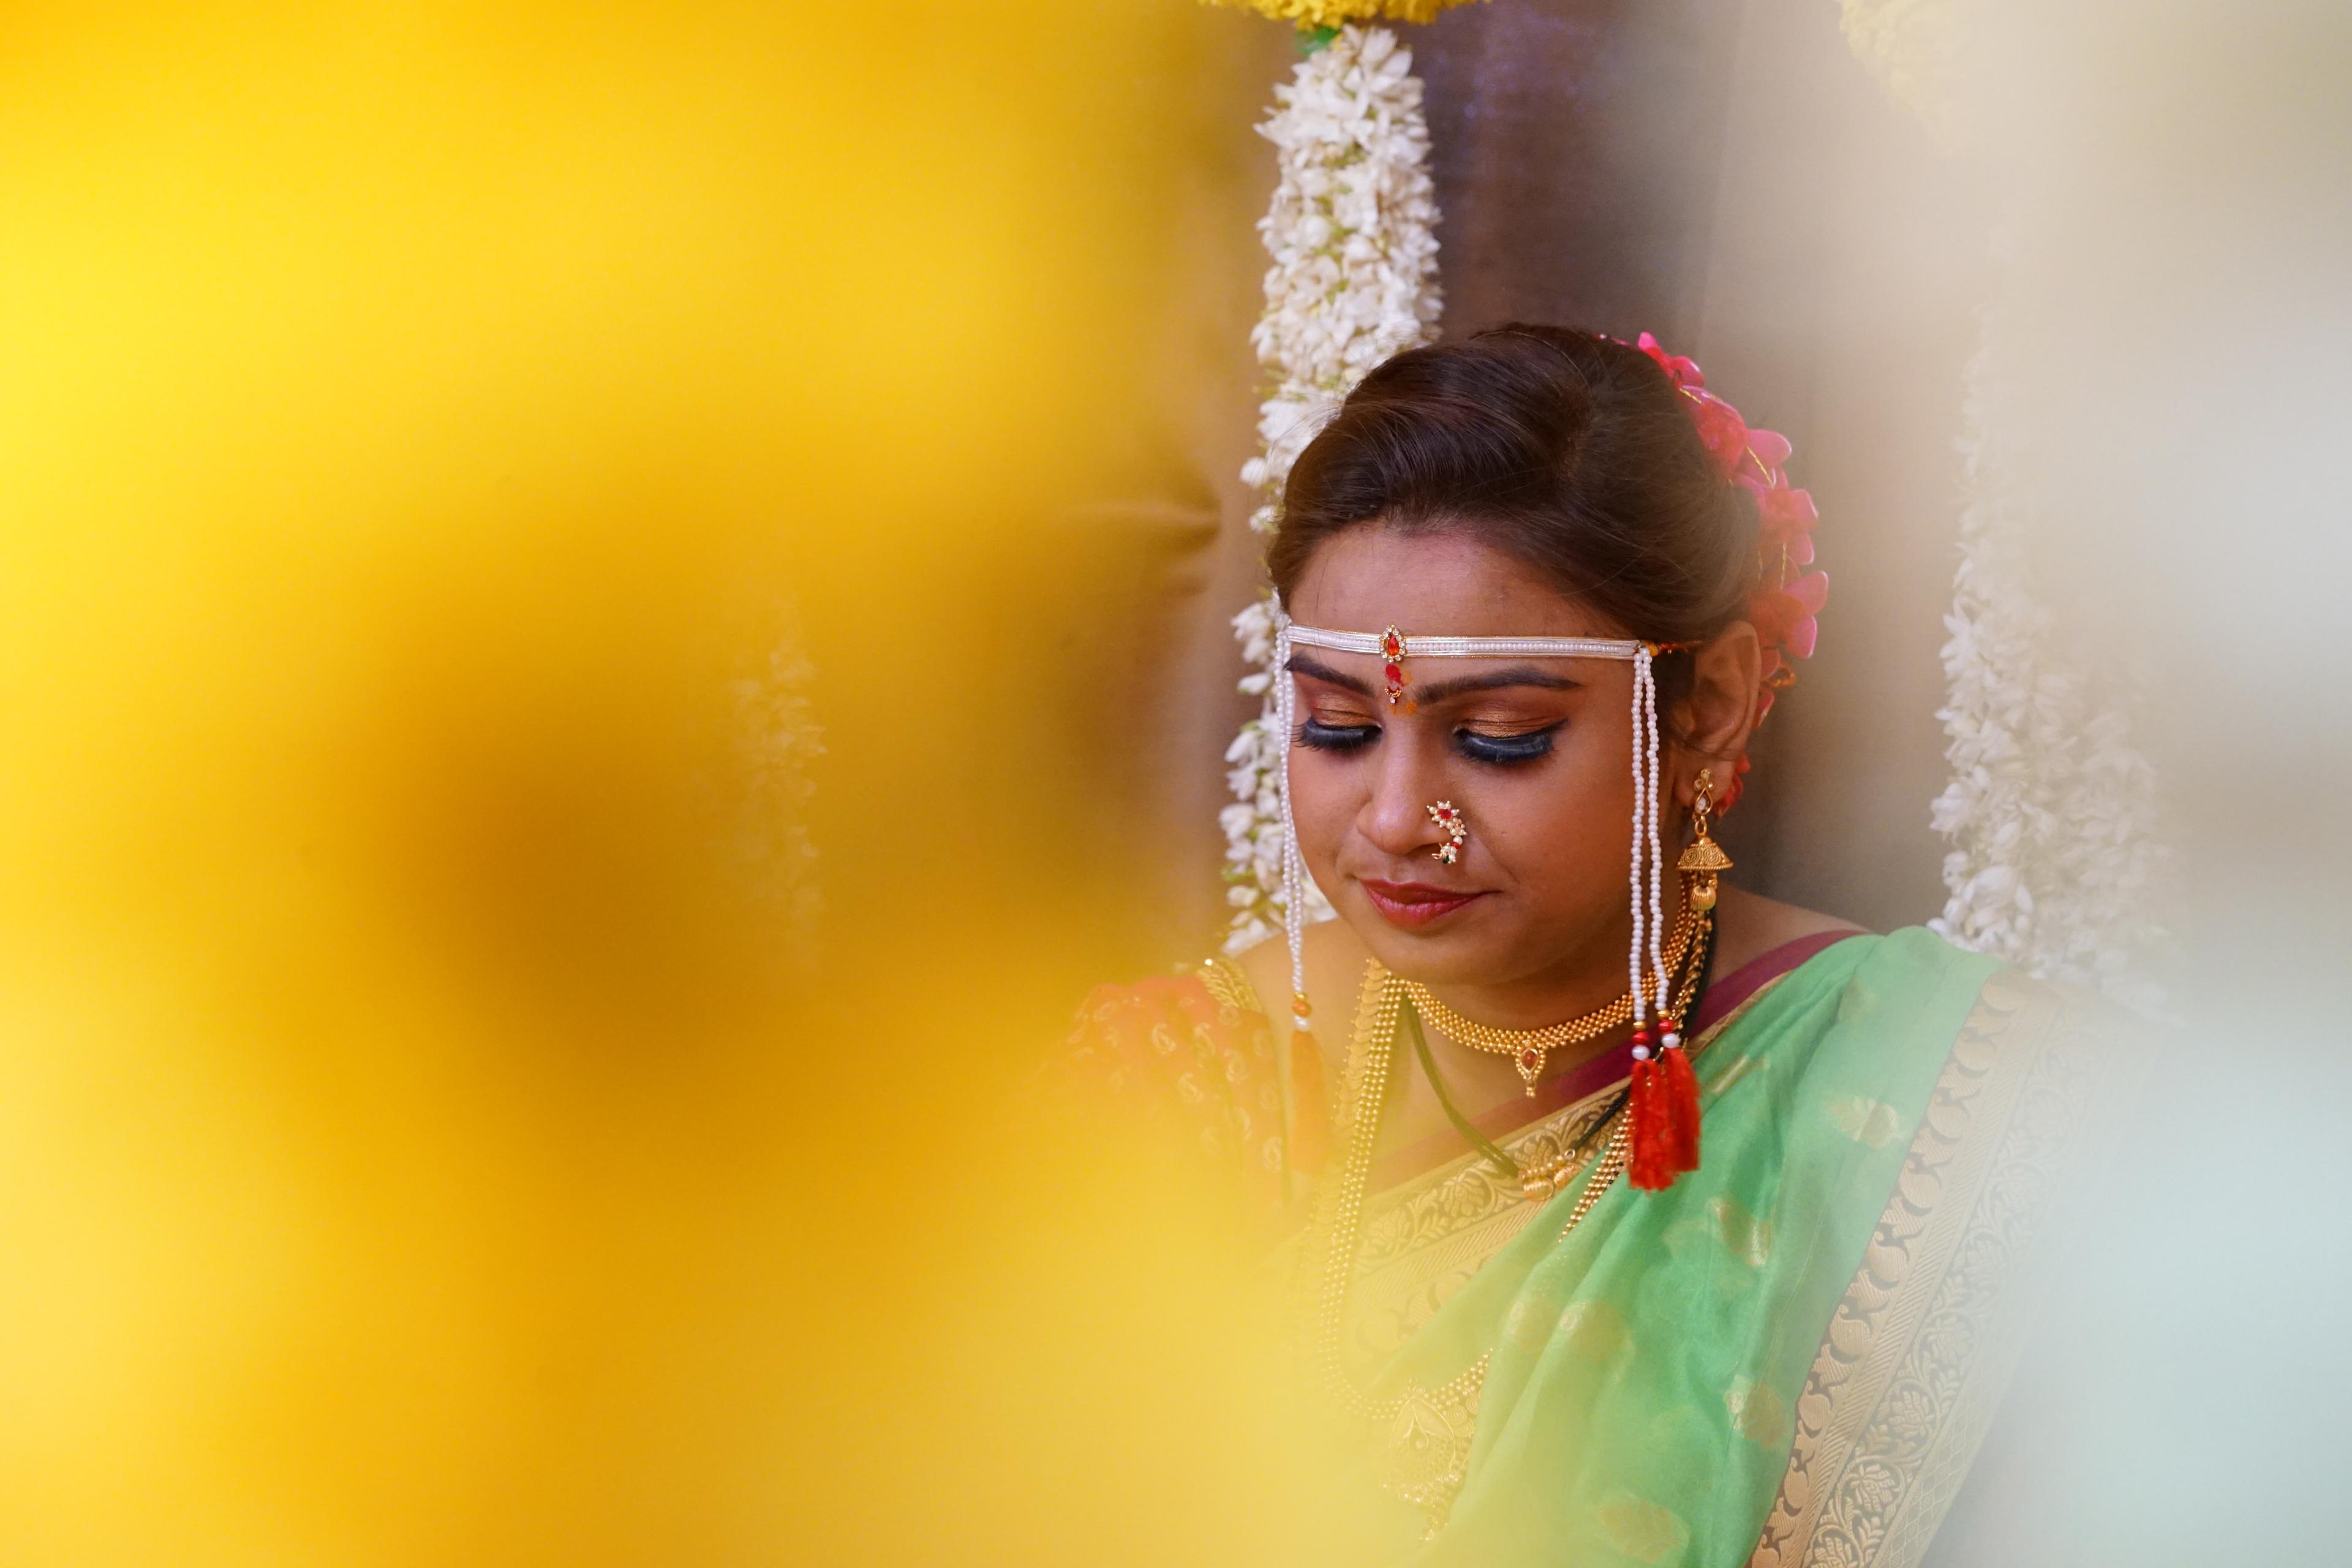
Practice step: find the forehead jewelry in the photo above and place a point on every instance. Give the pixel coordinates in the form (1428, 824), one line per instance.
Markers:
(1449, 822)
(1392, 664)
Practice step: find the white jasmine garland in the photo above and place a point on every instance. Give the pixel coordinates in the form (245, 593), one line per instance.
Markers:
(2056, 864)
(1351, 230)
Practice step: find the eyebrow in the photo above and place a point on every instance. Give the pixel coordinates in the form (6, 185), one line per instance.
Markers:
(1439, 690)
(1302, 665)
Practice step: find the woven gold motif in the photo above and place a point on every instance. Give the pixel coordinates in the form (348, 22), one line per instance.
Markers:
(1644, 1531)
(1429, 1443)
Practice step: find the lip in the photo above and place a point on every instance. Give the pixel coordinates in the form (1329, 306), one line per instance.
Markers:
(1414, 905)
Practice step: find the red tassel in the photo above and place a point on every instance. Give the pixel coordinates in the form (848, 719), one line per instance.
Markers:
(1311, 1119)
(1662, 1103)
(1678, 1090)
(1647, 1166)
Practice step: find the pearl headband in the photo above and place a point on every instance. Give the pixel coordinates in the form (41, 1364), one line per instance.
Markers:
(1463, 647)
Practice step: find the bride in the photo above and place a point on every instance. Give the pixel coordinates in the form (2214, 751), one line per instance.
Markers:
(1647, 1220)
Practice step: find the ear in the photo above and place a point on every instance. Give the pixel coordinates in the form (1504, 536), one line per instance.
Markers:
(1711, 725)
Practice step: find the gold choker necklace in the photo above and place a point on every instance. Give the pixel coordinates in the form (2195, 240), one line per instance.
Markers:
(1528, 1047)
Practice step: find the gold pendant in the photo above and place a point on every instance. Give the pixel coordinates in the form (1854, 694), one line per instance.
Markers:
(1529, 1061)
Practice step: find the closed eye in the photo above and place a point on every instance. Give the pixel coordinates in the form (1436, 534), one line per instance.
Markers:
(1505, 750)
(1325, 737)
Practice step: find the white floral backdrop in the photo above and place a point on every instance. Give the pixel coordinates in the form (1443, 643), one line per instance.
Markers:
(1352, 234)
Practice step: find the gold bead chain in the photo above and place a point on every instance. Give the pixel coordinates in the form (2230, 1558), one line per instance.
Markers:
(1527, 1048)
(1367, 1066)
(1370, 1064)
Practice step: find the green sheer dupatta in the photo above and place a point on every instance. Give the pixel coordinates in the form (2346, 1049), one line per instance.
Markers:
(1642, 1374)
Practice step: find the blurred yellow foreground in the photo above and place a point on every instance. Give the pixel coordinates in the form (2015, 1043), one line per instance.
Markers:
(457, 463)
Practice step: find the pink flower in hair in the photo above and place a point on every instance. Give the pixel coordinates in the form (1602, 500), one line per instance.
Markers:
(1767, 451)
(1721, 430)
(1684, 372)
(1773, 614)
(1784, 617)
(1811, 591)
(1785, 604)
(1785, 520)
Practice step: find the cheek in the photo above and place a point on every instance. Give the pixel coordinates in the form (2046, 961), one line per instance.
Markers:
(1567, 839)
(1326, 793)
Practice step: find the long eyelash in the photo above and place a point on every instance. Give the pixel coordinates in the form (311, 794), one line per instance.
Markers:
(1504, 750)
(1336, 737)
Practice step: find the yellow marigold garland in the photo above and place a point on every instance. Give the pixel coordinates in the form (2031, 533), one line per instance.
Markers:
(1318, 14)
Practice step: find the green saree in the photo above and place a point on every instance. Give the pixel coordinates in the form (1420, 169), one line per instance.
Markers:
(1749, 1365)
(1787, 1359)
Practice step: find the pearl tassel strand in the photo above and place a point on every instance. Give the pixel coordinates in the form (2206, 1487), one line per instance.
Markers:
(1649, 914)
(1307, 1132)
(1286, 715)
(1653, 809)
(1663, 1111)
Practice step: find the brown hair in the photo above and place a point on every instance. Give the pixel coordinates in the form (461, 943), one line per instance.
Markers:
(1564, 449)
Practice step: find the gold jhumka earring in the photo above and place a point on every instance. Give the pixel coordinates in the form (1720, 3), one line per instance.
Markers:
(1705, 859)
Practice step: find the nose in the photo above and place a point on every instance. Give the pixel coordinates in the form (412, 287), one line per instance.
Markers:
(1395, 817)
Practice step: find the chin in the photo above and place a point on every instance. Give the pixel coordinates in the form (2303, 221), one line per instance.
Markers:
(1458, 946)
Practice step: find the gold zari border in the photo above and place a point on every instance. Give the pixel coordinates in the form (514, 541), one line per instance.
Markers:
(1921, 1347)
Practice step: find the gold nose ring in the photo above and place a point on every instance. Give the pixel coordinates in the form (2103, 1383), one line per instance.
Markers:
(1458, 832)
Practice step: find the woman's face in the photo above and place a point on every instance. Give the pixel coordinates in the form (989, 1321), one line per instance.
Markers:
(1536, 754)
